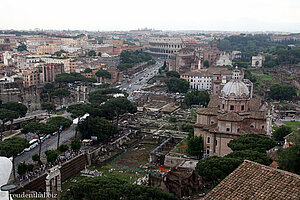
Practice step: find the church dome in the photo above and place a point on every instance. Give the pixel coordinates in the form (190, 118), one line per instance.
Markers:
(235, 88)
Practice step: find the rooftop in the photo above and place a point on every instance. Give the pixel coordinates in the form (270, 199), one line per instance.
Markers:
(255, 181)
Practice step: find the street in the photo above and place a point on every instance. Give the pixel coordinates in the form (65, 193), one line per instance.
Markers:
(140, 79)
(65, 137)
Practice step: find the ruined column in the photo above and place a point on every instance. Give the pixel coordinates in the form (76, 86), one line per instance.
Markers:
(47, 188)
(58, 183)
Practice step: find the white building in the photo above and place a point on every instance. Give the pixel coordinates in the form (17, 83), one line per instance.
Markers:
(199, 80)
(7, 79)
(65, 61)
(7, 58)
(224, 60)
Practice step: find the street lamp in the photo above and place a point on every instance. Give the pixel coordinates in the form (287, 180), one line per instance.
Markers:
(1, 133)
(8, 187)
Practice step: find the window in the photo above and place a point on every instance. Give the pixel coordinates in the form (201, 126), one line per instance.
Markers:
(208, 140)
(223, 106)
(216, 142)
(207, 150)
(227, 129)
(231, 107)
(243, 107)
(238, 130)
(262, 126)
(251, 126)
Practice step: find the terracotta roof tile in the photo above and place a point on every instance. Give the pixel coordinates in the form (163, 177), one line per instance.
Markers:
(208, 111)
(231, 116)
(214, 101)
(255, 181)
(255, 104)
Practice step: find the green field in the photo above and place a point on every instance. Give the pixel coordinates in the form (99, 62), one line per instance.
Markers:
(293, 125)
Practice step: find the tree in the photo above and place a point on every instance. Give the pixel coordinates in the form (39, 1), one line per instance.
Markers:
(22, 168)
(173, 74)
(104, 188)
(177, 85)
(78, 111)
(102, 74)
(206, 63)
(51, 155)
(151, 62)
(187, 128)
(35, 158)
(96, 126)
(118, 106)
(281, 132)
(124, 66)
(59, 123)
(195, 146)
(48, 88)
(40, 130)
(48, 106)
(100, 96)
(61, 93)
(132, 57)
(91, 53)
(88, 70)
(69, 77)
(248, 75)
(76, 144)
(22, 47)
(164, 65)
(59, 53)
(289, 158)
(63, 148)
(11, 147)
(19, 108)
(214, 169)
(253, 142)
(5, 116)
(282, 92)
(197, 98)
(254, 156)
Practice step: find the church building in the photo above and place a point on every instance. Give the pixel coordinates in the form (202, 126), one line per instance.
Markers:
(231, 113)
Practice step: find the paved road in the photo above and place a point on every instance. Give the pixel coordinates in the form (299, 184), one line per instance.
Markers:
(65, 137)
(140, 79)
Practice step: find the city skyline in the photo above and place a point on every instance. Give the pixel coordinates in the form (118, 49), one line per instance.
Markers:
(91, 15)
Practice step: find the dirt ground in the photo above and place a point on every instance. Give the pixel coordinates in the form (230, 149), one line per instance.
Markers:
(137, 156)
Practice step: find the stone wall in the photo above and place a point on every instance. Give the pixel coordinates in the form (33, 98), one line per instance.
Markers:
(67, 170)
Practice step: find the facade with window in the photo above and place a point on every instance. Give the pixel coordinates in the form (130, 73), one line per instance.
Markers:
(233, 113)
(199, 80)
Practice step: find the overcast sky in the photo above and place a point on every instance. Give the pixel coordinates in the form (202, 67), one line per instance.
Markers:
(227, 15)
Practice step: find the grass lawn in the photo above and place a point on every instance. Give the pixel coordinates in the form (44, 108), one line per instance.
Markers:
(181, 147)
(293, 125)
(121, 174)
(7, 133)
(266, 78)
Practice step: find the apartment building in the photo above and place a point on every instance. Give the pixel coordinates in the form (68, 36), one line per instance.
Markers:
(201, 80)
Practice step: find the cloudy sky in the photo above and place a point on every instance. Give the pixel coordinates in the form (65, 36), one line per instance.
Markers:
(227, 15)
